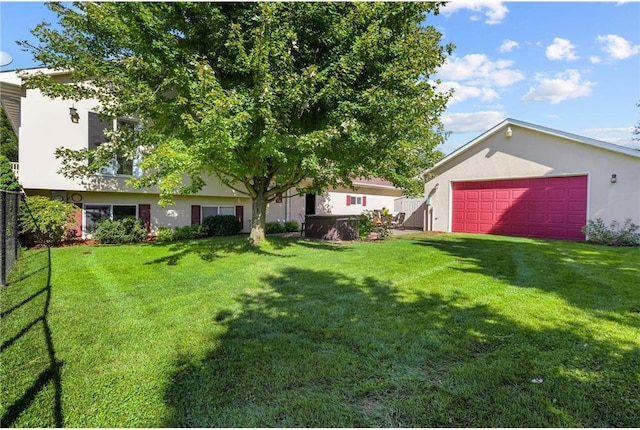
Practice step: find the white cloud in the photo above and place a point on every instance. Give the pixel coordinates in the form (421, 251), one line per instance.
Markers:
(463, 92)
(478, 69)
(610, 130)
(623, 141)
(508, 45)
(617, 47)
(622, 136)
(595, 59)
(564, 86)
(471, 122)
(561, 49)
(494, 12)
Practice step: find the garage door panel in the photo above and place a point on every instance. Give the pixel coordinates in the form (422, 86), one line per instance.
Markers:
(519, 216)
(502, 195)
(472, 205)
(576, 206)
(486, 216)
(486, 195)
(537, 195)
(575, 193)
(576, 219)
(502, 206)
(472, 195)
(517, 193)
(487, 205)
(538, 206)
(557, 206)
(557, 194)
(536, 218)
(533, 207)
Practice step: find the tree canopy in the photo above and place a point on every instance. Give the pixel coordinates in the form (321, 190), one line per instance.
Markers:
(259, 95)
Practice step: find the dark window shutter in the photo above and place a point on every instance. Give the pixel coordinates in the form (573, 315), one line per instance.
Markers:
(348, 200)
(195, 214)
(240, 215)
(364, 200)
(97, 128)
(144, 213)
(78, 215)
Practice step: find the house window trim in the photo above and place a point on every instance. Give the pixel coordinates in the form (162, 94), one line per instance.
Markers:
(233, 208)
(356, 200)
(111, 205)
(111, 170)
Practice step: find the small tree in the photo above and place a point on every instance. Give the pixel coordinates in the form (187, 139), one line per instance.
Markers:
(260, 95)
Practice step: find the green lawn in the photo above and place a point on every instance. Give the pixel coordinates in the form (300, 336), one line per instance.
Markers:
(417, 331)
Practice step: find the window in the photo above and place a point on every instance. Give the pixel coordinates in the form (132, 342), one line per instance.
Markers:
(356, 200)
(124, 165)
(95, 213)
(121, 164)
(217, 210)
(121, 212)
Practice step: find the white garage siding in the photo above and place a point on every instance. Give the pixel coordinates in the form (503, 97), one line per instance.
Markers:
(538, 152)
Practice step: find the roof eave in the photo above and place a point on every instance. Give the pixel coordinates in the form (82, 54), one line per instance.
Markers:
(550, 131)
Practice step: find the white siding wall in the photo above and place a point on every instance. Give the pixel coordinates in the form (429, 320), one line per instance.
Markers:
(46, 125)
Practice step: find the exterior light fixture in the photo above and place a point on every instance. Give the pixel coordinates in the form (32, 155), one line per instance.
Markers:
(614, 178)
(73, 113)
(509, 132)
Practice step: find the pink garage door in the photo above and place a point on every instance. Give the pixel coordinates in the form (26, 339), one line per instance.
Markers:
(553, 208)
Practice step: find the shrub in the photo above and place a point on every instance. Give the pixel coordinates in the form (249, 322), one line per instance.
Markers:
(46, 220)
(614, 235)
(628, 234)
(165, 234)
(273, 228)
(189, 232)
(291, 226)
(365, 225)
(221, 225)
(8, 179)
(126, 230)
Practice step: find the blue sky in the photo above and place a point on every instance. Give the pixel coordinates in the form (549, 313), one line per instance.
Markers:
(573, 66)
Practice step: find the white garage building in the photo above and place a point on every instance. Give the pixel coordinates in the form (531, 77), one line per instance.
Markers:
(521, 179)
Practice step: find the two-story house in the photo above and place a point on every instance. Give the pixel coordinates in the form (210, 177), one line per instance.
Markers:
(43, 124)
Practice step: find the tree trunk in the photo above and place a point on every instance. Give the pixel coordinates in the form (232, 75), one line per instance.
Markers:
(258, 219)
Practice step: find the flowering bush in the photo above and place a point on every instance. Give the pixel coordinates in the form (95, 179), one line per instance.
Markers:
(375, 222)
(46, 220)
(614, 235)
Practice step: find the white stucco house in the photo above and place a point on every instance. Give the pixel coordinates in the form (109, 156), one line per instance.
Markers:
(43, 124)
(521, 179)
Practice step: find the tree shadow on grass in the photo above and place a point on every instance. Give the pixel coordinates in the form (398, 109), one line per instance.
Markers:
(216, 248)
(25, 325)
(322, 349)
(593, 278)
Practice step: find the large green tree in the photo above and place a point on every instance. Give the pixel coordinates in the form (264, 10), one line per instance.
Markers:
(259, 95)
